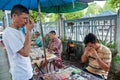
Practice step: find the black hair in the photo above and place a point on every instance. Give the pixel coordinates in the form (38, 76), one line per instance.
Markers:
(90, 38)
(52, 32)
(19, 9)
(37, 33)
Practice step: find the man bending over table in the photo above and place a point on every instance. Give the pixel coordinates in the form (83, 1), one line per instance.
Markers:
(99, 57)
(55, 44)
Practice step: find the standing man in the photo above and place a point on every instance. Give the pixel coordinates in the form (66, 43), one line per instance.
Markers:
(55, 44)
(17, 45)
(99, 57)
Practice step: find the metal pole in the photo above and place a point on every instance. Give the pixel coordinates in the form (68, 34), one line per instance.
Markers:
(40, 23)
(59, 24)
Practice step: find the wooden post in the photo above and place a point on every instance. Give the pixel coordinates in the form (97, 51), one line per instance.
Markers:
(118, 32)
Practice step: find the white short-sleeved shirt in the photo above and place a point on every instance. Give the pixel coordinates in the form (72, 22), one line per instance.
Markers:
(20, 66)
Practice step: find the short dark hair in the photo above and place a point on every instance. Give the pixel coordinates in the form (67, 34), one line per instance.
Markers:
(37, 33)
(52, 32)
(19, 9)
(90, 38)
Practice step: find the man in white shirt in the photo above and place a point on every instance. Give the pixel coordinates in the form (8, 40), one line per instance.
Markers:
(18, 45)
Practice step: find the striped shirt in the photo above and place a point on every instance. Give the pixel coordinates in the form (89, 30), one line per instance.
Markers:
(105, 54)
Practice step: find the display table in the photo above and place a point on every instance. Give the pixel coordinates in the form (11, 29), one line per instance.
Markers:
(38, 60)
(69, 73)
(37, 55)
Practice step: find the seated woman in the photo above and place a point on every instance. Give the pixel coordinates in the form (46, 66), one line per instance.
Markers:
(37, 39)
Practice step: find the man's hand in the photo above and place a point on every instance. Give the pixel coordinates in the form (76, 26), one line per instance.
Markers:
(87, 49)
(29, 25)
(93, 53)
(85, 54)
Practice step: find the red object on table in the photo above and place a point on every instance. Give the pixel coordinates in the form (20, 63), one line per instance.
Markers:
(65, 79)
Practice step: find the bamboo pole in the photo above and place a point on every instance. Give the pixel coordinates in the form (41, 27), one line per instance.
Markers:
(40, 23)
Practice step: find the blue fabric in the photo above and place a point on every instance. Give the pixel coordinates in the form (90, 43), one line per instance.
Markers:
(23, 29)
(66, 8)
(38, 41)
(31, 4)
(87, 1)
(1, 23)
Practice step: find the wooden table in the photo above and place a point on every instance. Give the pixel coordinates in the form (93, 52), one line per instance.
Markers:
(37, 58)
(49, 59)
(37, 55)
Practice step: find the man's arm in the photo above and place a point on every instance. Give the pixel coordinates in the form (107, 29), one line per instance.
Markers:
(84, 56)
(27, 44)
(104, 65)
